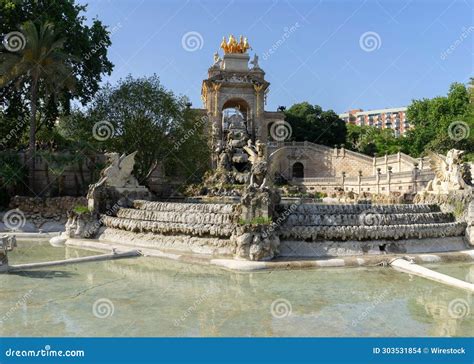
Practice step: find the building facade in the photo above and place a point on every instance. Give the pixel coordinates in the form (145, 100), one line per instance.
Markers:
(393, 118)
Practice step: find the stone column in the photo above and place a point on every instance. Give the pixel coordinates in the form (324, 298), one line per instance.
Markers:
(389, 177)
(399, 160)
(359, 181)
(415, 177)
(343, 181)
(377, 179)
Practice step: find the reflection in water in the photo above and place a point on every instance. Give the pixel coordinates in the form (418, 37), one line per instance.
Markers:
(153, 297)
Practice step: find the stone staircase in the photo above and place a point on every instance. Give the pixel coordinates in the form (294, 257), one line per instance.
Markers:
(320, 230)
(176, 226)
(308, 230)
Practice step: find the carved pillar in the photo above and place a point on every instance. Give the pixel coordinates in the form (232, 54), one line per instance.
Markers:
(258, 98)
(343, 181)
(216, 87)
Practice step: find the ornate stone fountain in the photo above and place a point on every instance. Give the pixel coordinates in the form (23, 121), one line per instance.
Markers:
(244, 217)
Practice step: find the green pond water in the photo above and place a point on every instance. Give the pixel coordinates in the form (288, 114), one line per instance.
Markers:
(156, 297)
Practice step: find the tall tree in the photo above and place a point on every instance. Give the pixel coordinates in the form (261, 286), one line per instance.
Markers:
(311, 123)
(441, 123)
(42, 64)
(141, 114)
(85, 43)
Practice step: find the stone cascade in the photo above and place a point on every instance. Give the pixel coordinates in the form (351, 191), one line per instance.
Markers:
(174, 218)
(312, 222)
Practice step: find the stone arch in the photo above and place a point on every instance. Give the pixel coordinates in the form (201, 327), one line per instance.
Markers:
(239, 104)
(297, 170)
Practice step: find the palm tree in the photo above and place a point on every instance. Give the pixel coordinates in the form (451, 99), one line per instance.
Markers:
(43, 66)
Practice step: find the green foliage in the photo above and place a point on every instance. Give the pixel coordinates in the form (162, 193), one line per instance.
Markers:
(436, 120)
(85, 47)
(142, 115)
(81, 209)
(372, 141)
(259, 220)
(311, 123)
(12, 175)
(12, 171)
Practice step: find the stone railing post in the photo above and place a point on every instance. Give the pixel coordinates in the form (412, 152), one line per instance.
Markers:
(359, 178)
(377, 179)
(389, 177)
(415, 177)
(399, 160)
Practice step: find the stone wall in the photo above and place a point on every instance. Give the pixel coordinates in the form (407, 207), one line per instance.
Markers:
(74, 179)
(330, 170)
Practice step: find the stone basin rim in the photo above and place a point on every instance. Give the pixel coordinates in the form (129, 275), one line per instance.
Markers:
(288, 263)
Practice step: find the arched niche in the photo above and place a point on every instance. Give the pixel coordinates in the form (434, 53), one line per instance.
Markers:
(297, 170)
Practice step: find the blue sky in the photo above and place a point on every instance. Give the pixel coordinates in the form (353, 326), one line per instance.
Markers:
(338, 54)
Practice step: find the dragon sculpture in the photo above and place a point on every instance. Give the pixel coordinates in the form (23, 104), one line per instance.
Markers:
(448, 172)
(118, 173)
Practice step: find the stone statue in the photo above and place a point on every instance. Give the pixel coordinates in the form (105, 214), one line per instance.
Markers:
(254, 62)
(258, 171)
(448, 172)
(118, 173)
(217, 60)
